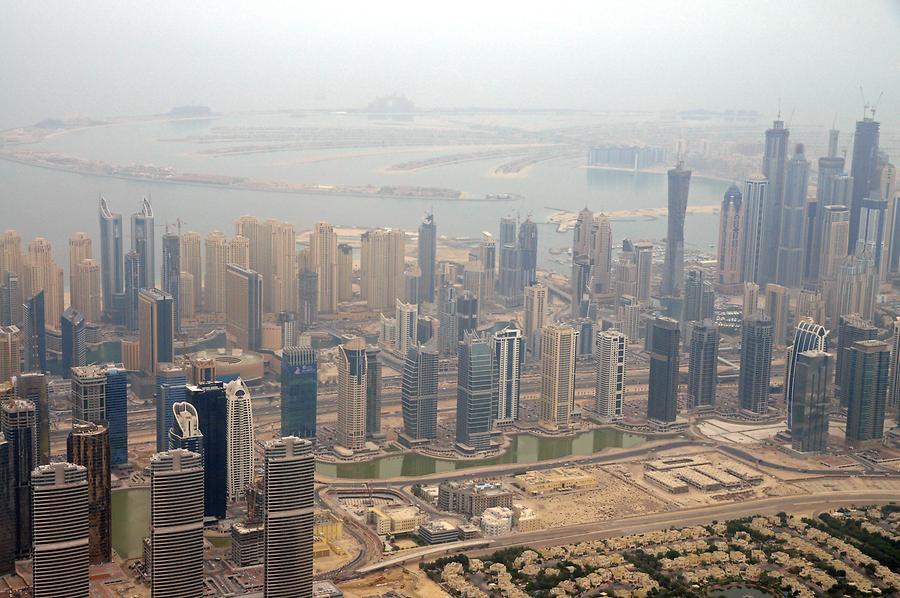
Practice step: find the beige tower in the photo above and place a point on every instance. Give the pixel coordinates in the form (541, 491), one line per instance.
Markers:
(193, 265)
(345, 272)
(248, 226)
(777, 307)
(557, 376)
(186, 301)
(731, 237)
(381, 267)
(352, 377)
(44, 275)
(751, 299)
(602, 255)
(239, 251)
(280, 289)
(535, 317)
(323, 256)
(11, 258)
(214, 284)
(10, 352)
(85, 290)
(79, 250)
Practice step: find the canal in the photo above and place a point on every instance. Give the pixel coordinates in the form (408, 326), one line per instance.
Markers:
(523, 449)
(130, 521)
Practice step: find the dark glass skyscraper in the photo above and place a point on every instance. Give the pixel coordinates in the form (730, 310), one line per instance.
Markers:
(702, 367)
(210, 402)
(32, 387)
(699, 297)
(808, 336)
(867, 381)
(809, 409)
(851, 329)
(88, 446)
(473, 394)
(171, 381)
(299, 374)
(756, 364)
(112, 257)
(673, 268)
(419, 393)
(309, 299)
(863, 171)
(790, 249)
(72, 332)
(662, 403)
(528, 246)
(773, 168)
(117, 413)
(171, 270)
(17, 422)
(467, 314)
(449, 321)
(34, 345)
(143, 243)
(8, 507)
(133, 277)
(427, 258)
(510, 286)
(373, 391)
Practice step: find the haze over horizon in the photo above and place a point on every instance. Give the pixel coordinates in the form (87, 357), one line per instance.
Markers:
(97, 59)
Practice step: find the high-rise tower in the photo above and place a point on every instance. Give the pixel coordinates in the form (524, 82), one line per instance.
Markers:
(773, 168)
(323, 258)
(156, 323)
(535, 317)
(756, 364)
(419, 393)
(808, 412)
(508, 357)
(609, 351)
(863, 171)
(731, 236)
(662, 403)
(673, 269)
(208, 398)
(243, 307)
(171, 382)
(753, 246)
(240, 438)
(192, 263)
(558, 376)
(473, 394)
(299, 374)
(427, 257)
(112, 261)
(352, 378)
(703, 364)
(88, 446)
(19, 427)
(867, 381)
(808, 336)
(171, 272)
(143, 235)
(789, 269)
(528, 243)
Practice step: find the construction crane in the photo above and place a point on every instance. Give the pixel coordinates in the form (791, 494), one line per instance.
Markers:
(869, 109)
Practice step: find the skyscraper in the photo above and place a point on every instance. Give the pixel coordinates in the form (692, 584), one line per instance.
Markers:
(427, 257)
(171, 272)
(855, 289)
(72, 331)
(756, 364)
(185, 431)
(112, 256)
(7, 506)
(473, 394)
(208, 398)
(609, 352)
(602, 256)
(157, 329)
(467, 314)
(192, 263)
(10, 299)
(18, 424)
(830, 167)
(214, 281)
(381, 267)
(808, 412)
(662, 403)
(186, 301)
(10, 352)
(86, 291)
(373, 391)
(34, 347)
(352, 379)
(407, 326)
(558, 352)
(323, 256)
(863, 171)
(703, 364)
(835, 236)
(88, 394)
(673, 269)
(32, 387)
(867, 378)
(280, 292)
(243, 307)
(143, 235)
(345, 272)
(777, 309)
(44, 275)
(751, 299)
(508, 357)
(130, 299)
(535, 317)
(299, 390)
(448, 318)
(753, 246)
(509, 284)
(699, 297)
(289, 517)
(171, 381)
(309, 299)
(579, 285)
(88, 446)
(419, 393)
(240, 438)
(176, 524)
(61, 559)
(528, 243)
(583, 233)
(117, 412)
(773, 168)
(789, 268)
(894, 388)
(808, 336)
(628, 313)
(731, 236)
(851, 329)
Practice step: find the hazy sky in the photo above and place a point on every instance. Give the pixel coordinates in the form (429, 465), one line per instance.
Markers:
(114, 58)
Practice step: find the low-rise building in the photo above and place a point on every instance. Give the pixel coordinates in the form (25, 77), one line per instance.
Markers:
(472, 498)
(396, 519)
(742, 471)
(438, 531)
(723, 477)
(496, 521)
(666, 481)
(697, 479)
(555, 480)
(525, 519)
(247, 545)
(328, 526)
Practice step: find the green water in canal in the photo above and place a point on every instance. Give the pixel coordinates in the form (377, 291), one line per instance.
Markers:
(130, 521)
